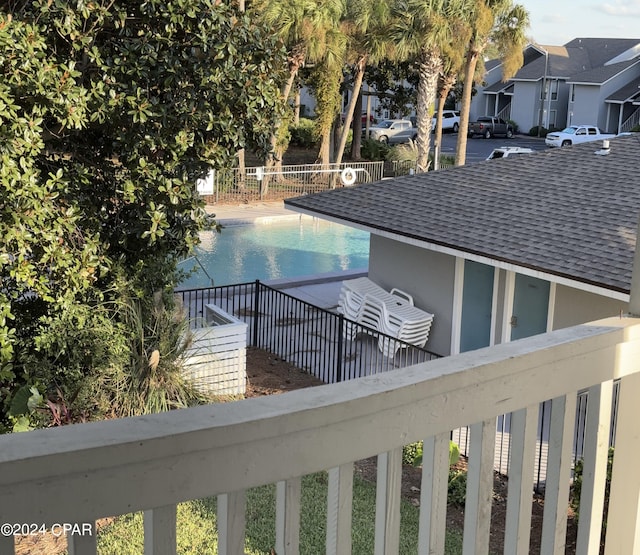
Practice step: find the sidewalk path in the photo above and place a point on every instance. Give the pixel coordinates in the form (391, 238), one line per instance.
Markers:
(259, 212)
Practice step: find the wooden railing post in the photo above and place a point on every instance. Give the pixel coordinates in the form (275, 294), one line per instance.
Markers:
(160, 531)
(231, 523)
(288, 495)
(387, 524)
(339, 508)
(623, 518)
(7, 544)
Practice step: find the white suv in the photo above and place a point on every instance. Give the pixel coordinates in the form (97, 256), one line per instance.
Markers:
(387, 128)
(506, 151)
(450, 121)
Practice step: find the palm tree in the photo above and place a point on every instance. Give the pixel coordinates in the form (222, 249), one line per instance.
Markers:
(422, 29)
(493, 21)
(365, 26)
(327, 78)
(452, 64)
(303, 27)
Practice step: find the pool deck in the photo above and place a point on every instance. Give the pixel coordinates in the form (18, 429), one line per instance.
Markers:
(322, 290)
(259, 212)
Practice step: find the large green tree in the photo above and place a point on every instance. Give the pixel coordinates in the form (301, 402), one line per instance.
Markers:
(306, 29)
(109, 112)
(421, 29)
(368, 42)
(498, 24)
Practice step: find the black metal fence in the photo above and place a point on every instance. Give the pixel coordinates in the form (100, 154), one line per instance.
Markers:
(334, 348)
(320, 342)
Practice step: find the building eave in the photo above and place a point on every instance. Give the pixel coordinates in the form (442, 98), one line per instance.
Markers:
(496, 262)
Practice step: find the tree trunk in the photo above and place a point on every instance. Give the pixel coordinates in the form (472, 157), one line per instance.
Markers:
(348, 118)
(428, 70)
(274, 160)
(242, 170)
(324, 152)
(356, 141)
(470, 71)
(448, 81)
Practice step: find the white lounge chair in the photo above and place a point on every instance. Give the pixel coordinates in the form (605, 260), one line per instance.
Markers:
(406, 323)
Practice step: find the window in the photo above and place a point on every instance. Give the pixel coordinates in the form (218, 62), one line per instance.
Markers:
(551, 86)
(593, 131)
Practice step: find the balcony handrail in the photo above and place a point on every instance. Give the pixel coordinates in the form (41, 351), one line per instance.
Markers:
(87, 471)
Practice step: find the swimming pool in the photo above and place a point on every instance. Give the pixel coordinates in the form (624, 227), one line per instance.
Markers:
(277, 250)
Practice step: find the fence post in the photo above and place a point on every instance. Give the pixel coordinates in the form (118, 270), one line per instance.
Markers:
(339, 376)
(256, 312)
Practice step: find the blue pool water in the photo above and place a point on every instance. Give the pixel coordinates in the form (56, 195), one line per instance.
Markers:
(277, 250)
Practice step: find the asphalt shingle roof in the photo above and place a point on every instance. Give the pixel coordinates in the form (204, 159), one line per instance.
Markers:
(631, 91)
(581, 60)
(565, 212)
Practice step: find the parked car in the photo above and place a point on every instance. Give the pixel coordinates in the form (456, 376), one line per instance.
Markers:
(506, 151)
(489, 126)
(404, 136)
(450, 121)
(363, 118)
(387, 128)
(575, 134)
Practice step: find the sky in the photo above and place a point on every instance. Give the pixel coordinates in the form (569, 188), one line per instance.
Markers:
(556, 22)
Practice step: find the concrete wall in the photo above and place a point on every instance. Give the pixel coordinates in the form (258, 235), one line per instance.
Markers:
(575, 307)
(428, 276)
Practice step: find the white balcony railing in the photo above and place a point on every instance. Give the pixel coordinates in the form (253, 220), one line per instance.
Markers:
(85, 472)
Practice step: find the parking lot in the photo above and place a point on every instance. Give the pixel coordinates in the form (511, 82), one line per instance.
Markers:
(478, 149)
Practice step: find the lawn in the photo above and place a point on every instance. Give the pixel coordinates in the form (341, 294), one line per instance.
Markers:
(197, 533)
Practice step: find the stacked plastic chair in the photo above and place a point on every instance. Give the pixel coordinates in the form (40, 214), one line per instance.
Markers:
(352, 297)
(403, 322)
(391, 313)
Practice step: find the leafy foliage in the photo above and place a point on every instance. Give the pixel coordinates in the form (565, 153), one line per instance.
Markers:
(374, 150)
(304, 134)
(576, 489)
(399, 80)
(533, 132)
(109, 112)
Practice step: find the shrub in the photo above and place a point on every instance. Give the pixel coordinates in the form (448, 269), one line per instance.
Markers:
(635, 128)
(404, 152)
(513, 124)
(457, 488)
(576, 489)
(412, 453)
(304, 134)
(533, 132)
(150, 378)
(373, 150)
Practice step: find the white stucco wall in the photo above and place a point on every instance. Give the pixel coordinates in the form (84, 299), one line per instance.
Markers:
(573, 307)
(428, 276)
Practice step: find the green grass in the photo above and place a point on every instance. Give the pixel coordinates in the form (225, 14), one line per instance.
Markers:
(197, 533)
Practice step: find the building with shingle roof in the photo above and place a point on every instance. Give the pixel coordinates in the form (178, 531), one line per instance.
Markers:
(580, 78)
(504, 248)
